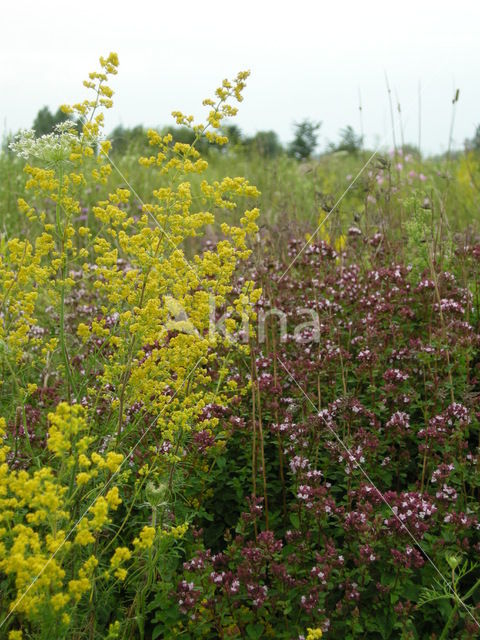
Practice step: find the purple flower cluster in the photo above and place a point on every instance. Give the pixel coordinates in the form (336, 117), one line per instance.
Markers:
(360, 444)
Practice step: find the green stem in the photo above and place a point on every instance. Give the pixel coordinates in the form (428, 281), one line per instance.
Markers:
(446, 628)
(64, 268)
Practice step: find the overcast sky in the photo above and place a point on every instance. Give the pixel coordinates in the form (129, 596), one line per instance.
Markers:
(308, 59)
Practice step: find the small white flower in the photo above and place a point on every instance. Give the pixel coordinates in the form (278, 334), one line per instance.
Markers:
(53, 148)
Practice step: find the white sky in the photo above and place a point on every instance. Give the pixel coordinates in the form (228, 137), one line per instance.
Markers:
(308, 59)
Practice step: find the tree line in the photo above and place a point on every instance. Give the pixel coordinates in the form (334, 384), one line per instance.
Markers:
(263, 143)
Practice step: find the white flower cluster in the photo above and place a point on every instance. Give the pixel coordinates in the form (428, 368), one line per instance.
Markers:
(52, 148)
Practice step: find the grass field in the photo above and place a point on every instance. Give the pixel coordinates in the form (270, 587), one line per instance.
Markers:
(236, 407)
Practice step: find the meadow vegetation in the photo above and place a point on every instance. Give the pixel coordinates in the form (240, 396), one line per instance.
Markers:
(240, 383)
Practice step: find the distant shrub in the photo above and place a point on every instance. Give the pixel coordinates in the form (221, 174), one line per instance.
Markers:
(45, 121)
(265, 144)
(306, 139)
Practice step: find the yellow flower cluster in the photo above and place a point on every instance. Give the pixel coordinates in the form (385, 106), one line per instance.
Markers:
(81, 585)
(66, 423)
(87, 110)
(121, 555)
(179, 531)
(22, 272)
(36, 511)
(26, 268)
(164, 293)
(146, 538)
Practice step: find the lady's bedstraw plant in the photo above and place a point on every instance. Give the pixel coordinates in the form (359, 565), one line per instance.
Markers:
(163, 300)
(58, 175)
(46, 571)
(149, 347)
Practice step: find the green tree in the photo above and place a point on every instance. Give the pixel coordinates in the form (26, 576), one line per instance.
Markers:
(265, 144)
(349, 141)
(234, 134)
(305, 141)
(126, 139)
(45, 120)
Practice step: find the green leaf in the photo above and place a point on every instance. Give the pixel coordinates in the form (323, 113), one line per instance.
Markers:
(255, 630)
(295, 520)
(221, 462)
